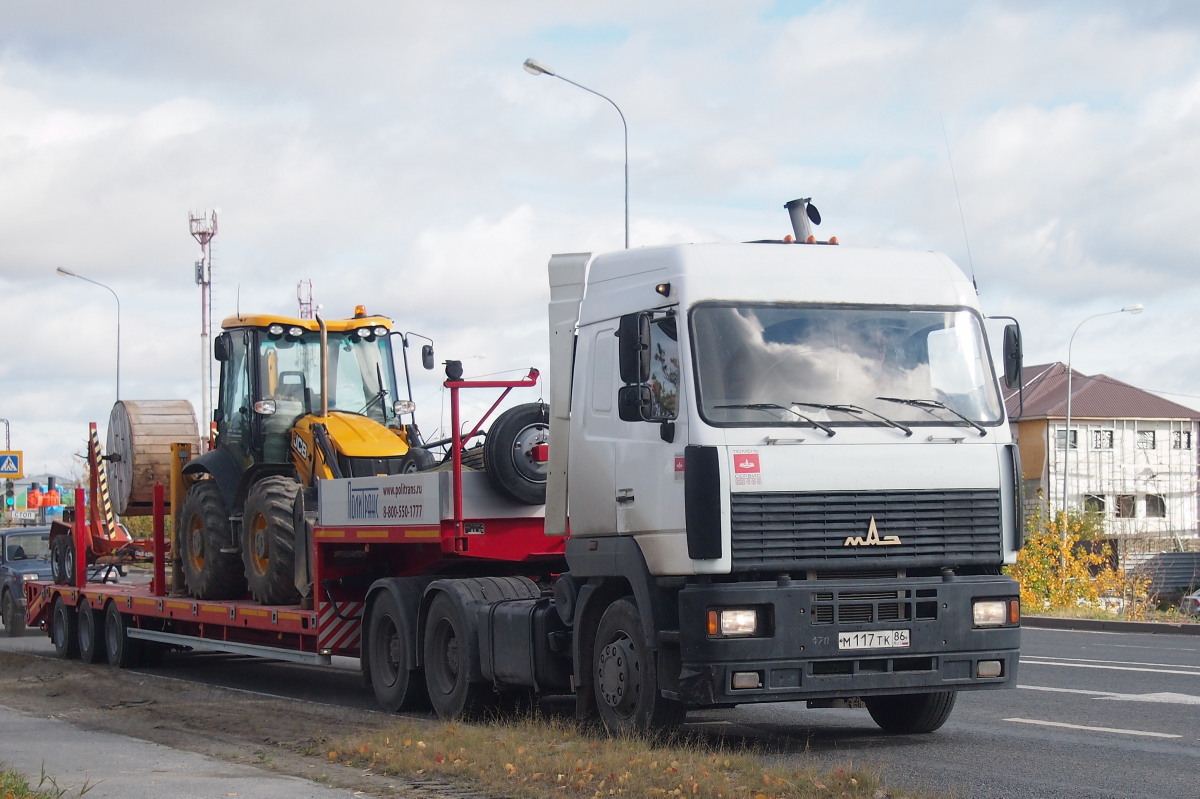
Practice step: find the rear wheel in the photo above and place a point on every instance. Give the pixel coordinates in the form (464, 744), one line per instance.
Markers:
(397, 685)
(122, 650)
(14, 616)
(910, 714)
(204, 531)
(448, 653)
(90, 627)
(508, 452)
(274, 509)
(417, 460)
(58, 559)
(625, 676)
(63, 630)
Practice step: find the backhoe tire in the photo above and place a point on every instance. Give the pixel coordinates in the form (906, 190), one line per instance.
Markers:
(417, 460)
(911, 714)
(208, 573)
(274, 511)
(508, 452)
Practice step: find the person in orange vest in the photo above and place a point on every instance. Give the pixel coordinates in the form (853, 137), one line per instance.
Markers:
(33, 499)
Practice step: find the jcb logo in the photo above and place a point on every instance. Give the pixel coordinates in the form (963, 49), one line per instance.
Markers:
(873, 539)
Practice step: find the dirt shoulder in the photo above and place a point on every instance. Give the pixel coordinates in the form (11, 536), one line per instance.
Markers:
(282, 735)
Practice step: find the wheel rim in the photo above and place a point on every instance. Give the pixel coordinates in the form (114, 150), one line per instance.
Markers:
(196, 544)
(619, 675)
(260, 545)
(522, 452)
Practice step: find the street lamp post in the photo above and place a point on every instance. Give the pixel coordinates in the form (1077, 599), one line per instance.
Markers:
(1131, 309)
(535, 68)
(69, 273)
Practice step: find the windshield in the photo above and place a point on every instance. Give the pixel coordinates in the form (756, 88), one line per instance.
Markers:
(361, 375)
(790, 364)
(26, 546)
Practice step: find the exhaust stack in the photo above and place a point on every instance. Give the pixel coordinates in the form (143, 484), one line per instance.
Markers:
(802, 212)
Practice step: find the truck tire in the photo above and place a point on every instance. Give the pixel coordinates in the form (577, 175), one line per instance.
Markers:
(90, 628)
(508, 452)
(910, 714)
(123, 651)
(58, 560)
(447, 670)
(208, 573)
(63, 632)
(14, 616)
(391, 640)
(625, 677)
(274, 510)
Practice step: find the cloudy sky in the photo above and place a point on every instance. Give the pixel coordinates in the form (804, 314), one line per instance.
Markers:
(396, 154)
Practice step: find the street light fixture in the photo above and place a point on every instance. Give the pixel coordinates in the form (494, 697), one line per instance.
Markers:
(535, 68)
(1130, 309)
(69, 273)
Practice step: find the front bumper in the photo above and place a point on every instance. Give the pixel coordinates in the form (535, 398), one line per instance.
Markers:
(797, 655)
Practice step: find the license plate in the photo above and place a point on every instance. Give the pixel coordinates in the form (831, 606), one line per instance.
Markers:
(873, 639)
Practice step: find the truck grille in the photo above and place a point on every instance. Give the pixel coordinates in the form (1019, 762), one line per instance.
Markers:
(796, 531)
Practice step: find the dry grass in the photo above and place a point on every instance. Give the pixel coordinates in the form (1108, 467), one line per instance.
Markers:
(533, 758)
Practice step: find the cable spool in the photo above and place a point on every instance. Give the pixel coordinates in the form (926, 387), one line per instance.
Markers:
(138, 449)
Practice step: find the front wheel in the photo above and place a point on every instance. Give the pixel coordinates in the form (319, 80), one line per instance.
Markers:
(910, 714)
(14, 617)
(625, 676)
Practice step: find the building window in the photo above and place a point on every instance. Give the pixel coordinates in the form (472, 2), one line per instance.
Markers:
(1156, 506)
(1060, 436)
(1102, 439)
(1093, 503)
(1126, 506)
(1181, 439)
(1145, 439)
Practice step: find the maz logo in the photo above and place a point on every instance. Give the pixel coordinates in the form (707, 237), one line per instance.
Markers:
(873, 538)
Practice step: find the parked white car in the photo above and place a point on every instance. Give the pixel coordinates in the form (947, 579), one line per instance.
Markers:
(1190, 604)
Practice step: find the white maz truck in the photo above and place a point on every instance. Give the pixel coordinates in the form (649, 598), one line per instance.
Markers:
(788, 475)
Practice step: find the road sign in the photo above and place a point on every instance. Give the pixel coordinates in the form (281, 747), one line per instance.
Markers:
(10, 464)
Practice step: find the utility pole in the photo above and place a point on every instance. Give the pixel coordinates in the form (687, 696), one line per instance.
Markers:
(304, 297)
(203, 228)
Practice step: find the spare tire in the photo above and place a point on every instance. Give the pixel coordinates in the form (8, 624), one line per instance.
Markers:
(508, 451)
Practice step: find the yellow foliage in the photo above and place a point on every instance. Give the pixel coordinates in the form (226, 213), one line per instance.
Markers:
(1065, 564)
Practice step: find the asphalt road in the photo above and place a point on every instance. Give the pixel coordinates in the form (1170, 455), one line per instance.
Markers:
(1096, 714)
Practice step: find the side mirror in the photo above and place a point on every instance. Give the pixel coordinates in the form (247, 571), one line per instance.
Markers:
(427, 356)
(633, 337)
(222, 348)
(634, 403)
(1013, 357)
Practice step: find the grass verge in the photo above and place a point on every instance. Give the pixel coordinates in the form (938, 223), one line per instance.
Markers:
(534, 758)
(14, 785)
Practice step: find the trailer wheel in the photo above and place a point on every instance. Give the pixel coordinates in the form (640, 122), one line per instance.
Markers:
(508, 452)
(63, 630)
(625, 676)
(910, 714)
(90, 627)
(208, 572)
(58, 560)
(274, 509)
(123, 651)
(397, 687)
(14, 618)
(447, 670)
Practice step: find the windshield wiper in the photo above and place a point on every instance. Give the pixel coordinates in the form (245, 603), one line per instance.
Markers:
(771, 406)
(379, 395)
(928, 405)
(856, 410)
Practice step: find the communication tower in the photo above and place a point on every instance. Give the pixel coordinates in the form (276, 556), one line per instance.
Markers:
(203, 228)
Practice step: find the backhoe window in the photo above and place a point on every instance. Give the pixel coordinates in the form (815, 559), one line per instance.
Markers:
(775, 364)
(361, 378)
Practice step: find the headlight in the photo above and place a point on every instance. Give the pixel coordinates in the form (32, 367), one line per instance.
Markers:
(30, 576)
(732, 622)
(990, 612)
(403, 406)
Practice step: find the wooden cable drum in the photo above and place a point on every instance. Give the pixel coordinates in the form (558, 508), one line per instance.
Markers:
(138, 450)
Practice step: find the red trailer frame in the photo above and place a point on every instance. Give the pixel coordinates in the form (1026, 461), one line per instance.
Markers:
(331, 624)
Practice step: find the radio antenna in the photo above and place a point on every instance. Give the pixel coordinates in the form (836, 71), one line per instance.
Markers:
(958, 198)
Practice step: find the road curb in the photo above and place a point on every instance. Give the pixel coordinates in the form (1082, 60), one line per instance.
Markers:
(1110, 625)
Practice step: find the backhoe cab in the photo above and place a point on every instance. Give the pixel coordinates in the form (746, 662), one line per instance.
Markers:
(300, 400)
